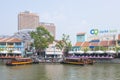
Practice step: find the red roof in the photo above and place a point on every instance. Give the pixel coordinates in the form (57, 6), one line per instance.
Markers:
(79, 44)
(112, 43)
(94, 44)
(10, 40)
(103, 43)
(85, 44)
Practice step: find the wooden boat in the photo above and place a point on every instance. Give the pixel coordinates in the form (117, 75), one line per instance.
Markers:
(77, 61)
(19, 61)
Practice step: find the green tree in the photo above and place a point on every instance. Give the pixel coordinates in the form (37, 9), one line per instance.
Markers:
(42, 38)
(64, 44)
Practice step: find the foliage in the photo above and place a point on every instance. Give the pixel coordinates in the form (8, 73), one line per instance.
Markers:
(42, 38)
(64, 44)
(86, 49)
(1, 49)
(100, 48)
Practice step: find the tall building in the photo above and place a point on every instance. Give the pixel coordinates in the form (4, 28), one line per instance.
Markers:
(50, 27)
(27, 20)
(30, 21)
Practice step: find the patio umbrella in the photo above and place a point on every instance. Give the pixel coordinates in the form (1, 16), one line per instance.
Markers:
(71, 52)
(4, 52)
(79, 52)
(99, 52)
(111, 52)
(90, 52)
(17, 52)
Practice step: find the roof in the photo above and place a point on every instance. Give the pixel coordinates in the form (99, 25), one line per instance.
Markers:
(81, 33)
(94, 44)
(10, 40)
(85, 44)
(79, 44)
(112, 43)
(103, 43)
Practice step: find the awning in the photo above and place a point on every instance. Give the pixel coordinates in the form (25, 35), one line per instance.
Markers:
(29, 52)
(54, 53)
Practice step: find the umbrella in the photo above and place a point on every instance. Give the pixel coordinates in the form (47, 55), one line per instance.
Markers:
(79, 52)
(4, 52)
(71, 52)
(99, 52)
(90, 52)
(111, 52)
(17, 52)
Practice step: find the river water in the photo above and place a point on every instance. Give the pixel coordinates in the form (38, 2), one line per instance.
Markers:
(49, 71)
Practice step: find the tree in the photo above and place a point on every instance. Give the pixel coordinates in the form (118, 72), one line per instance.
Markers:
(42, 38)
(64, 44)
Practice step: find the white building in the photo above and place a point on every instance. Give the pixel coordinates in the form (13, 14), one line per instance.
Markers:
(53, 52)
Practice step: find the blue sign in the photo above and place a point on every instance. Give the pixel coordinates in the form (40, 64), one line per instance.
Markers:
(94, 31)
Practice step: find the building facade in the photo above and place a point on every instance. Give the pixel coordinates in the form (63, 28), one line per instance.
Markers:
(11, 45)
(53, 52)
(27, 20)
(98, 40)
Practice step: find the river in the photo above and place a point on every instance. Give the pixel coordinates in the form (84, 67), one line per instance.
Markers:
(49, 71)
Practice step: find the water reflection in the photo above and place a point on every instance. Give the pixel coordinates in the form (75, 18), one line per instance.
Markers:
(60, 72)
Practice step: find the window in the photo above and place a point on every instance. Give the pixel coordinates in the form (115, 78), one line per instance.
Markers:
(18, 44)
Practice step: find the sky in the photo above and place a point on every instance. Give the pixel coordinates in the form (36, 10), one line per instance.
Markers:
(69, 16)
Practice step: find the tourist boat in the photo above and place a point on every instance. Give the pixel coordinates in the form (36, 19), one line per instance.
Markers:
(19, 61)
(77, 61)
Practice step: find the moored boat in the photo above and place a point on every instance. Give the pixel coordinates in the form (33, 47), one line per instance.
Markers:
(77, 61)
(19, 61)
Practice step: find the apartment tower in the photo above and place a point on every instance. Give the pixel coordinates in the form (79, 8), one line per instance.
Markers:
(27, 20)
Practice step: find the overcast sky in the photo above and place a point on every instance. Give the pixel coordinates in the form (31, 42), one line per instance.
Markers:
(69, 16)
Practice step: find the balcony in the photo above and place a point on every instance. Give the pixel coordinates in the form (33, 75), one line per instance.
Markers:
(10, 46)
(2, 46)
(18, 46)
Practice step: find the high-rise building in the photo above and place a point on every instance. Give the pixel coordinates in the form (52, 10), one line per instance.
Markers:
(30, 21)
(50, 27)
(27, 20)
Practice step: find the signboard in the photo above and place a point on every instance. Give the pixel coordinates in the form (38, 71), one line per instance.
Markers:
(97, 31)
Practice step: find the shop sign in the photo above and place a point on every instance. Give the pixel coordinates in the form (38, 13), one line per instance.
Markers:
(96, 31)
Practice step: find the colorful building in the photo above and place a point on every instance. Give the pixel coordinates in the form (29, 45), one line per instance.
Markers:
(11, 45)
(98, 40)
